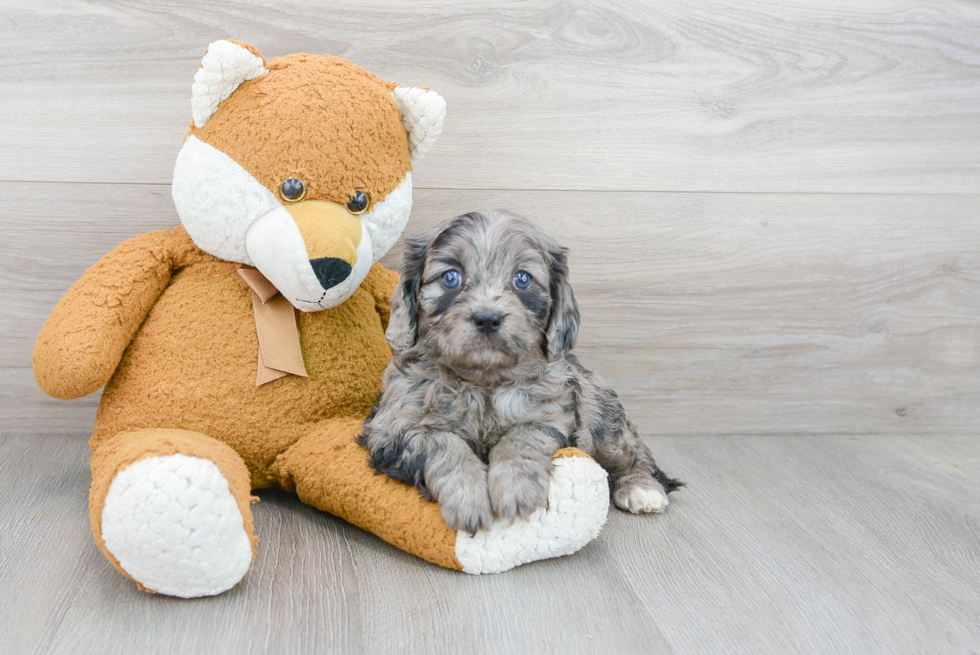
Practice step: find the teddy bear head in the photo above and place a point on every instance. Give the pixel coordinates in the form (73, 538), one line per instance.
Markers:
(300, 167)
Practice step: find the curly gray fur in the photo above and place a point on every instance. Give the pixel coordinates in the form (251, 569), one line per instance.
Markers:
(472, 414)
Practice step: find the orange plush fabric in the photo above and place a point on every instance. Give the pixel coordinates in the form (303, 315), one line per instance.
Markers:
(326, 469)
(183, 380)
(170, 330)
(85, 336)
(334, 125)
(191, 364)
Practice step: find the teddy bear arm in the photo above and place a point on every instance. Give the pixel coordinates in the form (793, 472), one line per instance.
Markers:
(380, 283)
(84, 338)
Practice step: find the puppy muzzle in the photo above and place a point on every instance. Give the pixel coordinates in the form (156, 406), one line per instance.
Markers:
(315, 252)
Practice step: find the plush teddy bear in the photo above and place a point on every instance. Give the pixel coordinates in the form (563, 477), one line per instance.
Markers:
(293, 181)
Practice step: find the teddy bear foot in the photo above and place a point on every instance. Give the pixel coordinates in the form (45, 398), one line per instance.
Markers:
(174, 526)
(578, 503)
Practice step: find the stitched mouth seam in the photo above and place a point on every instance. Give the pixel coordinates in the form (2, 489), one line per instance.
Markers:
(318, 303)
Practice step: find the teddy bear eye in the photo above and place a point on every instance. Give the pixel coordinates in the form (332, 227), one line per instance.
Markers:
(452, 279)
(358, 202)
(292, 189)
(522, 280)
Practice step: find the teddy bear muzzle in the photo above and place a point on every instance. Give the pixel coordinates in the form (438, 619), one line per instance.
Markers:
(314, 251)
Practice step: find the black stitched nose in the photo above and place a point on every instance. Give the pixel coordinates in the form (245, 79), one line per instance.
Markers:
(331, 271)
(487, 322)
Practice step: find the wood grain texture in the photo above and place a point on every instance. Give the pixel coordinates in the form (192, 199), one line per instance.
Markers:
(696, 96)
(774, 219)
(779, 545)
(710, 313)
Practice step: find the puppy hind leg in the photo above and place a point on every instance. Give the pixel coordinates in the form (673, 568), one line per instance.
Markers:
(638, 485)
(638, 493)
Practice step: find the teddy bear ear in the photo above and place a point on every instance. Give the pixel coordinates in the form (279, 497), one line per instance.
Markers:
(423, 113)
(225, 66)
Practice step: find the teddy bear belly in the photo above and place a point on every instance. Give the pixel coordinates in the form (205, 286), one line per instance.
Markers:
(192, 365)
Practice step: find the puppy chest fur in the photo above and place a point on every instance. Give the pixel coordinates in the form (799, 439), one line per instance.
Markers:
(422, 398)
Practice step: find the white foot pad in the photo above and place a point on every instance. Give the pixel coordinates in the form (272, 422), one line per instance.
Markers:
(578, 503)
(174, 526)
(641, 500)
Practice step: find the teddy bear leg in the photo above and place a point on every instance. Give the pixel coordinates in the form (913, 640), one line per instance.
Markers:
(329, 470)
(170, 510)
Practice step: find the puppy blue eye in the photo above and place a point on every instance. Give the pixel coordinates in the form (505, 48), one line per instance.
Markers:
(522, 280)
(452, 279)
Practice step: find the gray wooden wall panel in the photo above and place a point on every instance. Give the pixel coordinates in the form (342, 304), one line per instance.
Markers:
(710, 313)
(683, 147)
(693, 96)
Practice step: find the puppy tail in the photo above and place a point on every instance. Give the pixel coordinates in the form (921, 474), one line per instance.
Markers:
(668, 483)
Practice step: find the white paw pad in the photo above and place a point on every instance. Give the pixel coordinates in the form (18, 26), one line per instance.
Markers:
(174, 526)
(641, 500)
(578, 503)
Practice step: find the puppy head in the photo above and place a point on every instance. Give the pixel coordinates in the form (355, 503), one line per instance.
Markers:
(484, 292)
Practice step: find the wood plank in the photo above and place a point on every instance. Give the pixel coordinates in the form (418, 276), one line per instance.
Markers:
(859, 544)
(873, 96)
(842, 542)
(710, 313)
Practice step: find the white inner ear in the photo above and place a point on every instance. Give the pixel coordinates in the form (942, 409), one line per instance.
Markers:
(224, 67)
(423, 114)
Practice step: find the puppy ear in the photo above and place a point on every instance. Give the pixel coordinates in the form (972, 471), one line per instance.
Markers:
(564, 319)
(403, 325)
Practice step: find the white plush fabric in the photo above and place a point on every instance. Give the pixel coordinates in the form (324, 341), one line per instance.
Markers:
(423, 114)
(174, 526)
(224, 67)
(217, 200)
(387, 220)
(221, 205)
(276, 247)
(578, 503)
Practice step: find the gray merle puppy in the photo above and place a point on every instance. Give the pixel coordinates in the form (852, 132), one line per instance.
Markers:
(483, 388)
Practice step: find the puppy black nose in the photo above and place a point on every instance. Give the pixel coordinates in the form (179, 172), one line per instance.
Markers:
(330, 271)
(487, 322)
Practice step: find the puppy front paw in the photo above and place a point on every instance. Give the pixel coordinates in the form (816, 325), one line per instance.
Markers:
(468, 511)
(516, 489)
(464, 500)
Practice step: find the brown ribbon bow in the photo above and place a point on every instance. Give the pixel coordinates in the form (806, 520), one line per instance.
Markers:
(280, 353)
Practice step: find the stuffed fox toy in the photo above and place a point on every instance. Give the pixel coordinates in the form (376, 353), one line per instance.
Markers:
(243, 349)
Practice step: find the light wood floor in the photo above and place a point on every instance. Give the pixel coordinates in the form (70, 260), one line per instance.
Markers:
(780, 544)
(773, 211)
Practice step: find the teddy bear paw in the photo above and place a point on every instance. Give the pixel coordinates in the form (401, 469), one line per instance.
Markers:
(578, 503)
(174, 526)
